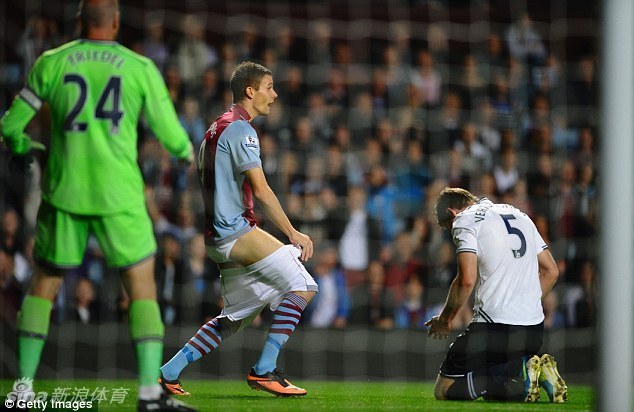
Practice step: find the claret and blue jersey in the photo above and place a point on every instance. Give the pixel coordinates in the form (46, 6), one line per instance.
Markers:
(230, 147)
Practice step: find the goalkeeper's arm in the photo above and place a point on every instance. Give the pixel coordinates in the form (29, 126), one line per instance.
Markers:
(12, 127)
(161, 116)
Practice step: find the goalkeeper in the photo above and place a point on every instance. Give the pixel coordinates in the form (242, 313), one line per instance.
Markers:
(96, 90)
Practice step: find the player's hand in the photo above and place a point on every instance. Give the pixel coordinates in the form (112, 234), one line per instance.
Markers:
(304, 243)
(37, 146)
(438, 328)
(23, 145)
(189, 159)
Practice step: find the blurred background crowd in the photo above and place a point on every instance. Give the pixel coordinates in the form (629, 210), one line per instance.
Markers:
(381, 105)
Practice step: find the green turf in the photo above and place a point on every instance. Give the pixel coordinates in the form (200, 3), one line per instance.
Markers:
(211, 395)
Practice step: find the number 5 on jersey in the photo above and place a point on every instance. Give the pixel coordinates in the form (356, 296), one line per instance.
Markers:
(518, 253)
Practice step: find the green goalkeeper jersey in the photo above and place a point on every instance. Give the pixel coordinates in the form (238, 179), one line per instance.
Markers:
(96, 91)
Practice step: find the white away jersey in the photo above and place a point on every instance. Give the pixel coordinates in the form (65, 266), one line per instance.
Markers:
(507, 244)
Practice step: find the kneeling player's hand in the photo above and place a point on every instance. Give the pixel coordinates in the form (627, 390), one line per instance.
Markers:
(438, 328)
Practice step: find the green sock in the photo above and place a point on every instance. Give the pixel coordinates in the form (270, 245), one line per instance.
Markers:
(147, 332)
(150, 358)
(33, 322)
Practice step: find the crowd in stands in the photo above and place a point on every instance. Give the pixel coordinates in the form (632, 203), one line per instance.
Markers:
(358, 144)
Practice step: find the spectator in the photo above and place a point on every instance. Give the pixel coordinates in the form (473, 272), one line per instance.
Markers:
(305, 143)
(545, 78)
(486, 187)
(372, 304)
(153, 45)
(586, 200)
(427, 79)
(476, 158)
(192, 121)
(440, 273)
(554, 317)
(397, 73)
(586, 152)
(540, 184)
(321, 112)
(170, 278)
(292, 93)
(336, 171)
(359, 240)
(11, 292)
(525, 43)
(86, 308)
(564, 212)
(249, 43)
(10, 232)
(502, 101)
(194, 55)
(380, 92)
(336, 93)
(438, 43)
(412, 175)
(402, 265)
(506, 172)
(361, 118)
(581, 297)
(381, 203)
(445, 123)
(583, 91)
(288, 46)
(41, 34)
(331, 305)
(319, 53)
(412, 313)
(175, 85)
(472, 81)
(209, 95)
(487, 127)
(202, 288)
(494, 57)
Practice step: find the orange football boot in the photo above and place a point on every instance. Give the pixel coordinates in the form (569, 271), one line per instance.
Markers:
(274, 382)
(172, 387)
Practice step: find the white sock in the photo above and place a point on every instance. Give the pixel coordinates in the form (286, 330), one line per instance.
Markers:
(151, 392)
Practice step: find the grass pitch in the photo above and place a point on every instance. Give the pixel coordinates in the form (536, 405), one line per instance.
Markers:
(223, 395)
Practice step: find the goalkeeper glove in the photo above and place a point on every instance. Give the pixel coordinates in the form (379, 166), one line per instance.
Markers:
(23, 144)
(189, 159)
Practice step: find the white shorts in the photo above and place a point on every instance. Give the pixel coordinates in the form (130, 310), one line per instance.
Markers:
(220, 254)
(246, 291)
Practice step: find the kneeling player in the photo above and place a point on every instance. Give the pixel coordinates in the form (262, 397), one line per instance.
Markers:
(495, 357)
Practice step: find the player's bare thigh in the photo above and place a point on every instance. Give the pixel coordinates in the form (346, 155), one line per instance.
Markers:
(442, 386)
(253, 247)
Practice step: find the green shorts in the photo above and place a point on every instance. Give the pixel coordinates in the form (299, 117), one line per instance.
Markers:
(125, 238)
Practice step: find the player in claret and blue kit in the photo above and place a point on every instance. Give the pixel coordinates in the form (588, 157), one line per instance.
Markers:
(256, 269)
